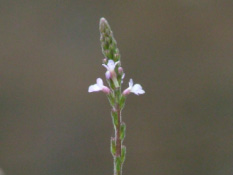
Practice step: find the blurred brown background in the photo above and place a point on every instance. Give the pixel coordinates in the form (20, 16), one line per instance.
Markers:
(180, 51)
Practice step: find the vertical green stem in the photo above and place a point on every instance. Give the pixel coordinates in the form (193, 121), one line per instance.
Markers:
(117, 159)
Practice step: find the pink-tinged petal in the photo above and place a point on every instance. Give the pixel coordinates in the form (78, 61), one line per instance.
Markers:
(94, 88)
(108, 75)
(99, 86)
(99, 82)
(126, 91)
(131, 83)
(106, 90)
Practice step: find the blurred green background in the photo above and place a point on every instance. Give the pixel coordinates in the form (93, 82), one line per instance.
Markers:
(180, 51)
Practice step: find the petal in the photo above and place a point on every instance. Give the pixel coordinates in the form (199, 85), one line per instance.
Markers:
(110, 62)
(106, 90)
(126, 91)
(116, 63)
(141, 91)
(105, 66)
(122, 78)
(99, 82)
(94, 88)
(137, 89)
(108, 75)
(131, 82)
(111, 65)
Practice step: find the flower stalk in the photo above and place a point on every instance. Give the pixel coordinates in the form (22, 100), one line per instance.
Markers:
(114, 77)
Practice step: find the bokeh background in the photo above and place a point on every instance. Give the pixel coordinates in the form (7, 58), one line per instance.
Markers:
(180, 51)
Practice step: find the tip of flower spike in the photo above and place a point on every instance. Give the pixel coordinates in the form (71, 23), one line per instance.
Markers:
(102, 20)
(103, 24)
(120, 70)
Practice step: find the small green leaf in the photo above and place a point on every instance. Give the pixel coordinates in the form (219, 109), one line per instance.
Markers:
(114, 118)
(123, 153)
(119, 79)
(118, 163)
(122, 101)
(113, 147)
(111, 99)
(111, 84)
(123, 128)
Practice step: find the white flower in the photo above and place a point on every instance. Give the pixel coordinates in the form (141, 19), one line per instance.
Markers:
(99, 86)
(110, 68)
(111, 71)
(136, 89)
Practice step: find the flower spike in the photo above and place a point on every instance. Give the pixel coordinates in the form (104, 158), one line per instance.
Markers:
(114, 75)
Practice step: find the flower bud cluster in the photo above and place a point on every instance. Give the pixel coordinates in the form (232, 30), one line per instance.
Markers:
(108, 42)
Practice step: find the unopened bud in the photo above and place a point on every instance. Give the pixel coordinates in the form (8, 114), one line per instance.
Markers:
(112, 139)
(107, 53)
(116, 56)
(111, 46)
(104, 61)
(106, 90)
(120, 70)
(114, 110)
(108, 41)
(103, 23)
